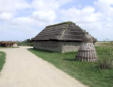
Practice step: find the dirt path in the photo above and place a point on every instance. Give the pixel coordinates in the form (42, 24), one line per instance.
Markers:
(24, 69)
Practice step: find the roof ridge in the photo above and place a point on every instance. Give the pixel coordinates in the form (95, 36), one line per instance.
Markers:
(68, 23)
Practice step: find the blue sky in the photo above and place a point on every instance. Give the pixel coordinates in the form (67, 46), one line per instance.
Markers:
(23, 19)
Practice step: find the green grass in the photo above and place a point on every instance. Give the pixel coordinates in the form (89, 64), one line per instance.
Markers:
(2, 59)
(88, 73)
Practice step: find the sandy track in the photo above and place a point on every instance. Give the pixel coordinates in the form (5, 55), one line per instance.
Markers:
(24, 69)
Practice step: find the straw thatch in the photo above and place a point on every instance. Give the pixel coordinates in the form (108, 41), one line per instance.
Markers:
(8, 44)
(65, 31)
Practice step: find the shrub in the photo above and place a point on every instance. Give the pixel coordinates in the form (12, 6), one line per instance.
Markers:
(105, 63)
(106, 59)
(27, 42)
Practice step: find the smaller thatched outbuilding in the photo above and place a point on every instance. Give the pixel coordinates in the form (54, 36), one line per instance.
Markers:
(8, 44)
(87, 50)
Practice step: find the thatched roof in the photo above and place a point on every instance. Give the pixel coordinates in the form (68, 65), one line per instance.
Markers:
(67, 31)
(87, 38)
(6, 43)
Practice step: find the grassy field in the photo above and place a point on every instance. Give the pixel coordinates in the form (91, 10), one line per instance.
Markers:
(87, 73)
(105, 43)
(2, 59)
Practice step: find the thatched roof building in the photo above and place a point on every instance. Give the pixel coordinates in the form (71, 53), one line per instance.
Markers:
(63, 37)
(8, 44)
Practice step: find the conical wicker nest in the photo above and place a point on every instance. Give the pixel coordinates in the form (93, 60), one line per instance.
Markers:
(87, 50)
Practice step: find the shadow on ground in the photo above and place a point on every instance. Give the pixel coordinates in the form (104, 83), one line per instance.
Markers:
(68, 59)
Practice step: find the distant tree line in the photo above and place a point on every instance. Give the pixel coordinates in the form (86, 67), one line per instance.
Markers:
(27, 42)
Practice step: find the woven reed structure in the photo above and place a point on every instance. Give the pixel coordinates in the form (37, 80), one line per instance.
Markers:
(87, 50)
(62, 37)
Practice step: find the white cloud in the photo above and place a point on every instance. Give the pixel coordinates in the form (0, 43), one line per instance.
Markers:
(48, 16)
(44, 13)
(13, 5)
(45, 10)
(14, 31)
(84, 15)
(9, 8)
(6, 16)
(106, 8)
(95, 19)
(46, 5)
(23, 20)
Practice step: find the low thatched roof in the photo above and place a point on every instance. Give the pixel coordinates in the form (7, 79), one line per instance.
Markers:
(7, 43)
(67, 31)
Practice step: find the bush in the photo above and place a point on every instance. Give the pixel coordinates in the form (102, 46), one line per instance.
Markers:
(27, 42)
(105, 63)
(106, 59)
